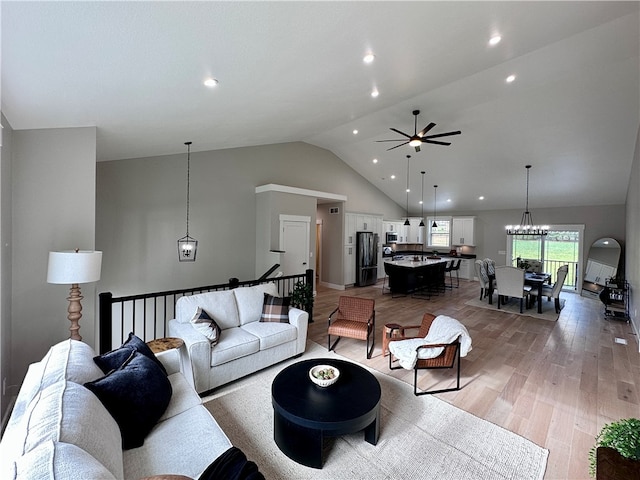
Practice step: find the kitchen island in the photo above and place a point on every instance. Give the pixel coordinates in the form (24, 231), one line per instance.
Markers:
(409, 275)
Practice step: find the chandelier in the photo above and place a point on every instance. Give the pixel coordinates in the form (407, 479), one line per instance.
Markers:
(187, 246)
(527, 227)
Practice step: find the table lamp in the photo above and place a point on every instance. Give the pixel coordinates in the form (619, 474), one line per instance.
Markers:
(74, 267)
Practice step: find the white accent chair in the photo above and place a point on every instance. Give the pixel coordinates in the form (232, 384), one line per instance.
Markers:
(553, 291)
(510, 282)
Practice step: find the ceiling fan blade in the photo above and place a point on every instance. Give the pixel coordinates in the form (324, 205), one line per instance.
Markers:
(436, 142)
(417, 148)
(401, 133)
(397, 146)
(422, 132)
(438, 135)
(394, 140)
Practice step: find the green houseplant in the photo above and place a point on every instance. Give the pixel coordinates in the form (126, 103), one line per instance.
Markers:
(302, 296)
(623, 436)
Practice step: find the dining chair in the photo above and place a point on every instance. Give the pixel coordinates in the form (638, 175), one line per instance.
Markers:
(483, 278)
(510, 283)
(553, 291)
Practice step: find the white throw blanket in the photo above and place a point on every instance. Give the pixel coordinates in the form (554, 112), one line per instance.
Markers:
(444, 329)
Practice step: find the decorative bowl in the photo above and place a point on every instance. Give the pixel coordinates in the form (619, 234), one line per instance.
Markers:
(330, 376)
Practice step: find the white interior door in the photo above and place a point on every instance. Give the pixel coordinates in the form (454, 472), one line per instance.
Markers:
(294, 240)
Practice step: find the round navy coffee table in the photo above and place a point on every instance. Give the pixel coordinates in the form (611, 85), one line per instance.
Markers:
(304, 413)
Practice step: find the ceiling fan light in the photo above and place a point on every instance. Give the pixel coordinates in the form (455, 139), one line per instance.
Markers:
(415, 142)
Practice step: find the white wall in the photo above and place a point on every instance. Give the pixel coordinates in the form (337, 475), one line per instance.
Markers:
(53, 183)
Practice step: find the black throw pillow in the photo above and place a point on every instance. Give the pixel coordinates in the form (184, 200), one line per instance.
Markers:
(136, 395)
(232, 465)
(115, 358)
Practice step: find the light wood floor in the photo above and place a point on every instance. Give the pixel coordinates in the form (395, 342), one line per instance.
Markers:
(555, 383)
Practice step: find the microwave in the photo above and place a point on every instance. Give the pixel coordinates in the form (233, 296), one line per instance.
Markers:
(392, 237)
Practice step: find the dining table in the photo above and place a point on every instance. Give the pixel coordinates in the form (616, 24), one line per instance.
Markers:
(537, 280)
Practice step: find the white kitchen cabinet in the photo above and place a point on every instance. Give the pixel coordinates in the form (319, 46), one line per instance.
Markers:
(466, 268)
(597, 272)
(463, 231)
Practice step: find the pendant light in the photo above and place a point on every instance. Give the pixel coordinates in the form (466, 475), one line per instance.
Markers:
(406, 222)
(435, 206)
(187, 246)
(422, 201)
(527, 226)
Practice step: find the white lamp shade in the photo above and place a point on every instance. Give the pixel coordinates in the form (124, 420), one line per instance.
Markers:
(71, 267)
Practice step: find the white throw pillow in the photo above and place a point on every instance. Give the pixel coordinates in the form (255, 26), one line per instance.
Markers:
(206, 325)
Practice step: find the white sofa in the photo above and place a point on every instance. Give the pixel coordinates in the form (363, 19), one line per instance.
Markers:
(246, 344)
(59, 429)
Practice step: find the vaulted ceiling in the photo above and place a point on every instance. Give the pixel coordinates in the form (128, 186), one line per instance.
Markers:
(294, 71)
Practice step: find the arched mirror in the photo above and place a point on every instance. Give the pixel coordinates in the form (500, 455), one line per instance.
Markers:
(602, 264)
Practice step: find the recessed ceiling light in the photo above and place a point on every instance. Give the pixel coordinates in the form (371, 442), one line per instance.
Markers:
(368, 58)
(420, 202)
(408, 190)
(495, 40)
(355, 132)
(481, 197)
(393, 177)
(510, 78)
(449, 200)
(375, 160)
(211, 82)
(375, 93)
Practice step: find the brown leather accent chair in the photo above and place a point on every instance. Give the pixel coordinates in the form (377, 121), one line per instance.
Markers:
(353, 318)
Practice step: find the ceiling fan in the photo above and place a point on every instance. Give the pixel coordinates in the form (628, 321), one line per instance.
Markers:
(418, 138)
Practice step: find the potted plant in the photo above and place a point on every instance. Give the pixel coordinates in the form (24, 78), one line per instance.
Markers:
(302, 297)
(616, 453)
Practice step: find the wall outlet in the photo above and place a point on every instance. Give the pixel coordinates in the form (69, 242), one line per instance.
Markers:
(502, 252)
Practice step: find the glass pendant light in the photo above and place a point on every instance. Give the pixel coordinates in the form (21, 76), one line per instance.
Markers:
(435, 206)
(187, 246)
(422, 201)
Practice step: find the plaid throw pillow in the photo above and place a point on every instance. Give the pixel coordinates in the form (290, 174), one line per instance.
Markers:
(275, 309)
(206, 325)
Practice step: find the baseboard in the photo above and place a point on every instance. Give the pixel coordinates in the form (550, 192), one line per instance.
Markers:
(332, 285)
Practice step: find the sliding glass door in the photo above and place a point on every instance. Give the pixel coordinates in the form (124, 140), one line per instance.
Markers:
(562, 246)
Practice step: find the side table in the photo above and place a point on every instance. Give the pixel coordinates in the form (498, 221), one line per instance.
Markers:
(163, 344)
(391, 330)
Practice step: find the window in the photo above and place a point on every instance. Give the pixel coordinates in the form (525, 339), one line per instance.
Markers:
(439, 236)
(562, 246)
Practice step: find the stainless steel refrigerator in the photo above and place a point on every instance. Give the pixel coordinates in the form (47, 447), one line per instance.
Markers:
(366, 258)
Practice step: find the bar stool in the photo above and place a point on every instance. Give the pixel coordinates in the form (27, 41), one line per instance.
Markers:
(456, 268)
(448, 269)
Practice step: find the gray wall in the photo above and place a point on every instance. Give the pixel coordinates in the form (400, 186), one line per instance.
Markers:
(632, 251)
(53, 204)
(599, 221)
(5, 261)
(141, 212)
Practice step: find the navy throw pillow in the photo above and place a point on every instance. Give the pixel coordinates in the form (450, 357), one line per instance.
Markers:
(136, 395)
(115, 358)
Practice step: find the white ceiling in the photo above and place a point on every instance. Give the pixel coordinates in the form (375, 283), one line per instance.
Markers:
(293, 71)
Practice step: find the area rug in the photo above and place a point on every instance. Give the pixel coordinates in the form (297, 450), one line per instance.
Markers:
(548, 308)
(420, 437)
